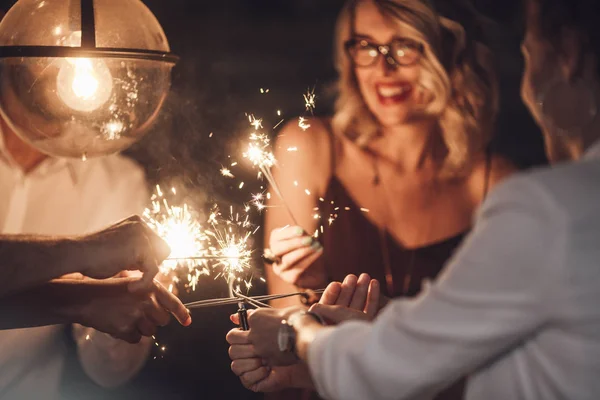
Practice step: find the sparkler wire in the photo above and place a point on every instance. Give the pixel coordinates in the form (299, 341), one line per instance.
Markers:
(229, 300)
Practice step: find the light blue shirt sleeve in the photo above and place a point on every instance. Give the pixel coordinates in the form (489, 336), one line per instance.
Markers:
(495, 293)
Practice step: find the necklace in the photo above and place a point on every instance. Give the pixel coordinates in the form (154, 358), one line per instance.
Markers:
(384, 240)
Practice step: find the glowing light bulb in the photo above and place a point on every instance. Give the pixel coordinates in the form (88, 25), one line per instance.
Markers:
(84, 84)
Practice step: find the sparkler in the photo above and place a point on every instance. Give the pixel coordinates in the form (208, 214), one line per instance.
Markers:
(224, 245)
(261, 156)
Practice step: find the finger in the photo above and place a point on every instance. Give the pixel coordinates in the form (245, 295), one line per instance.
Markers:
(348, 287)
(283, 247)
(249, 379)
(237, 336)
(149, 267)
(172, 304)
(156, 313)
(238, 351)
(359, 298)
(235, 319)
(293, 258)
(243, 365)
(331, 293)
(301, 272)
(146, 327)
(286, 232)
(373, 296)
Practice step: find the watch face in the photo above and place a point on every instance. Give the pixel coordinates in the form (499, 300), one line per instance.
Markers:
(285, 337)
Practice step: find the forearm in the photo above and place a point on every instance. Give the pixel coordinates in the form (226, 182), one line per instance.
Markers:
(109, 362)
(48, 304)
(27, 261)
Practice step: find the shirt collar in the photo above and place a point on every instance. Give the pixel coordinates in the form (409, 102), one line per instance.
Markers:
(49, 165)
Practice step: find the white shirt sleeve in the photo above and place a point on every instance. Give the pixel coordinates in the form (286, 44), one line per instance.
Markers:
(494, 293)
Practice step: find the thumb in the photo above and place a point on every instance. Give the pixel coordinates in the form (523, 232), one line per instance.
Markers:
(235, 319)
(333, 314)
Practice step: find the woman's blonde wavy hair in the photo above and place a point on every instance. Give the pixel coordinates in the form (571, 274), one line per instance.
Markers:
(456, 73)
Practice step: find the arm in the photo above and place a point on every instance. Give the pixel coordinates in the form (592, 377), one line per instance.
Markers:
(111, 362)
(499, 286)
(108, 305)
(22, 255)
(128, 244)
(309, 167)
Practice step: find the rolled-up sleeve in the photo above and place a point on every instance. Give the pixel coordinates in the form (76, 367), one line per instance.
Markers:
(494, 293)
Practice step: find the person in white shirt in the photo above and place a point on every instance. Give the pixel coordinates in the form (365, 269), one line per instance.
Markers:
(40, 195)
(516, 308)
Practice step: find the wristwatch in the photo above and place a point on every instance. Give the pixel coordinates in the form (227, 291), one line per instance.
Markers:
(286, 336)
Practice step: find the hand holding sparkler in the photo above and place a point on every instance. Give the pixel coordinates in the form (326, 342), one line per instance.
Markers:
(292, 251)
(109, 307)
(127, 245)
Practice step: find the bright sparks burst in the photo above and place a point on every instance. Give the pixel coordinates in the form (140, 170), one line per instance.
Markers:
(231, 243)
(259, 152)
(179, 227)
(309, 100)
(222, 245)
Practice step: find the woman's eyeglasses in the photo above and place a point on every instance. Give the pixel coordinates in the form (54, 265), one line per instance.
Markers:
(403, 52)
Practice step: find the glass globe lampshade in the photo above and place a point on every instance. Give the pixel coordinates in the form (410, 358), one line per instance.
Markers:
(82, 78)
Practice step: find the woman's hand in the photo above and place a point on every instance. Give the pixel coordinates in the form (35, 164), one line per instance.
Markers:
(293, 251)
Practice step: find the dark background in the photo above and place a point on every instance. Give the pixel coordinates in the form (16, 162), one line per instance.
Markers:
(229, 50)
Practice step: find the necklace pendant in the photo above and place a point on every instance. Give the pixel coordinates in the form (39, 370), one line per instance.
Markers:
(376, 180)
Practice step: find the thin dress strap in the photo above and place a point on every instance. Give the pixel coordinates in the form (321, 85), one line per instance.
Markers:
(488, 172)
(332, 148)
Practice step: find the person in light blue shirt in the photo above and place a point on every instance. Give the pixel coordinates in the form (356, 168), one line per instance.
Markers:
(516, 308)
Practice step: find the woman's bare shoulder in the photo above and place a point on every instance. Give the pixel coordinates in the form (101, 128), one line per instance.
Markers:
(305, 151)
(488, 170)
(311, 141)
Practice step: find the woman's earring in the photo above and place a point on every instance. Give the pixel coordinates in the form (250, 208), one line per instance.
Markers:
(568, 107)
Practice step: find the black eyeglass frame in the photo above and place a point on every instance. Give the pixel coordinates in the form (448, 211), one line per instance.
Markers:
(383, 50)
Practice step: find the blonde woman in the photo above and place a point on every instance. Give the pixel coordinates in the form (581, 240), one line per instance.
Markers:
(401, 166)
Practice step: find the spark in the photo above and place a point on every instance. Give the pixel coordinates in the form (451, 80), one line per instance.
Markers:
(309, 100)
(307, 192)
(258, 201)
(292, 149)
(226, 173)
(256, 123)
(210, 135)
(279, 113)
(241, 185)
(303, 124)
